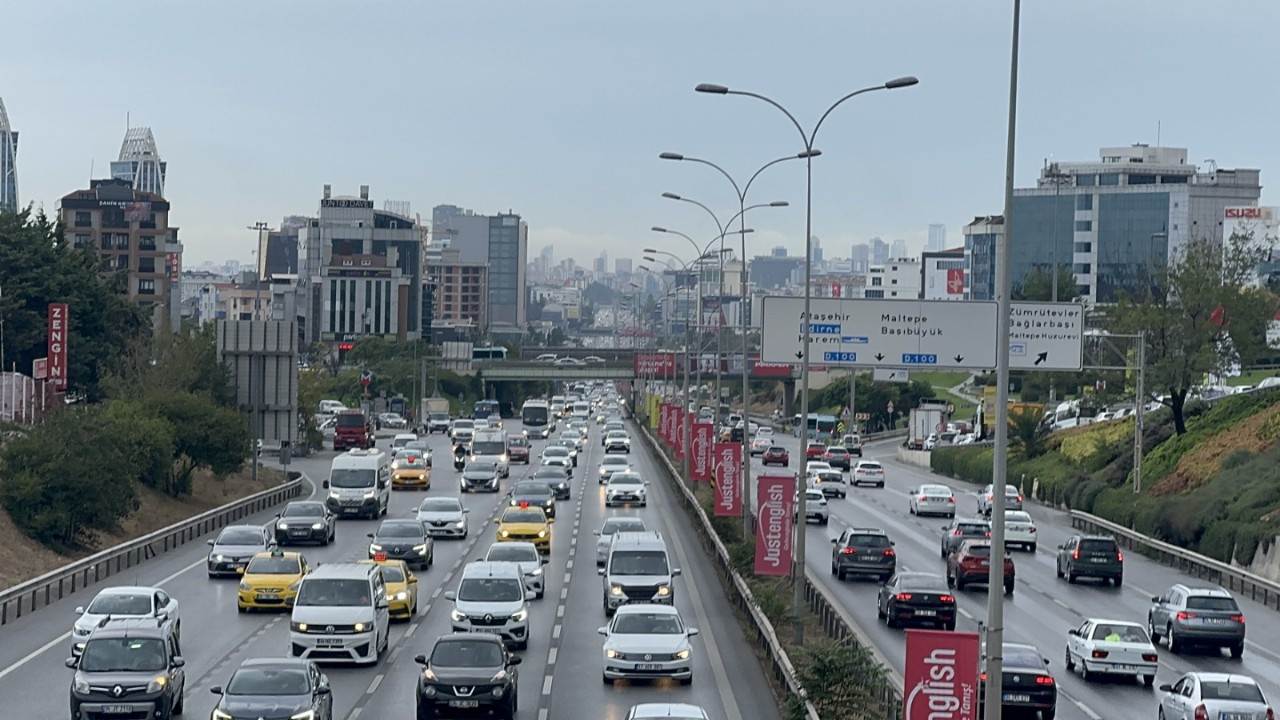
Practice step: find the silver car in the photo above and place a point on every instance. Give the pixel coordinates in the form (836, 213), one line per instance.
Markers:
(526, 555)
(614, 525)
(1205, 616)
(121, 602)
(234, 547)
(1219, 695)
(611, 464)
(443, 517)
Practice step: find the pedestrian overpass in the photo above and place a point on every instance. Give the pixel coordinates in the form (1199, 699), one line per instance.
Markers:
(507, 371)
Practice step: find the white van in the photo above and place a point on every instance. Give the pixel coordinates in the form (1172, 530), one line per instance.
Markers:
(582, 410)
(491, 446)
(638, 570)
(340, 613)
(359, 484)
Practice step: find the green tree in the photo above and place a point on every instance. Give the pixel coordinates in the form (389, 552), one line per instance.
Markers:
(1028, 433)
(182, 362)
(841, 680)
(205, 435)
(38, 267)
(144, 438)
(1200, 314)
(1038, 285)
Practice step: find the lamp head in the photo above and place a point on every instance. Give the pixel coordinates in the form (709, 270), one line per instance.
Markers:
(655, 228)
(901, 82)
(779, 203)
(711, 88)
(650, 250)
(670, 156)
(809, 154)
(671, 196)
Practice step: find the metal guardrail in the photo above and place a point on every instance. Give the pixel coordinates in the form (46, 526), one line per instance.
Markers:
(1237, 580)
(53, 586)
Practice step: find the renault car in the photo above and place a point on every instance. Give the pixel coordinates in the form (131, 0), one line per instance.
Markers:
(409, 471)
(270, 580)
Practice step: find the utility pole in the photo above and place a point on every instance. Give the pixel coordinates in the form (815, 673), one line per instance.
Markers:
(1139, 405)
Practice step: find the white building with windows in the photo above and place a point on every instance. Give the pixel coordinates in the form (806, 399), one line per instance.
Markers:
(896, 279)
(942, 275)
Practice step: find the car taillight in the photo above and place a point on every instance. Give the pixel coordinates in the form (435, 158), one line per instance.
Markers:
(922, 498)
(1150, 657)
(1237, 618)
(1271, 715)
(956, 533)
(1075, 554)
(1099, 654)
(848, 551)
(983, 676)
(1019, 498)
(1201, 713)
(903, 596)
(1119, 556)
(887, 553)
(1044, 680)
(947, 598)
(951, 500)
(1186, 616)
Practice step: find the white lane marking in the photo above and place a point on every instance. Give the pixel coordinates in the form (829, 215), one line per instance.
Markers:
(568, 566)
(542, 714)
(373, 686)
(546, 685)
(355, 713)
(35, 653)
(567, 577)
(412, 629)
(1084, 708)
(560, 612)
(967, 615)
(551, 656)
(396, 653)
(555, 631)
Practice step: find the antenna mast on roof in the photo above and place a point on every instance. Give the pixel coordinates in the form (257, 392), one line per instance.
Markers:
(1157, 133)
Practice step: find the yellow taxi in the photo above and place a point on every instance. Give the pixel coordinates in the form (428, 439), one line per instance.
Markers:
(270, 580)
(402, 586)
(525, 523)
(409, 470)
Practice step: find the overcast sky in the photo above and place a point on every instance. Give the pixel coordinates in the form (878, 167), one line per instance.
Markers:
(558, 109)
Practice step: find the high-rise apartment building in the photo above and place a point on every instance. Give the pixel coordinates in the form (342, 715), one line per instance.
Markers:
(937, 237)
(130, 231)
(459, 292)
(140, 162)
(898, 250)
(8, 163)
(980, 238)
(601, 264)
(859, 258)
(502, 242)
(622, 266)
(815, 246)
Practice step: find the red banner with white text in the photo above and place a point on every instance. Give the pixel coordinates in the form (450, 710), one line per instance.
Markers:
(775, 524)
(56, 366)
(664, 423)
(680, 419)
(700, 465)
(728, 478)
(941, 678)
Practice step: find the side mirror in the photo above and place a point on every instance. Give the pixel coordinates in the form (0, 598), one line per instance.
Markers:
(323, 689)
(1062, 547)
(368, 535)
(325, 484)
(1046, 661)
(892, 544)
(209, 542)
(277, 516)
(835, 540)
(596, 533)
(515, 660)
(1155, 599)
(450, 595)
(497, 521)
(544, 560)
(71, 662)
(466, 510)
(1166, 687)
(692, 631)
(646, 482)
(80, 610)
(177, 662)
(602, 630)
(529, 595)
(381, 605)
(600, 571)
(551, 520)
(413, 579)
(420, 659)
(675, 572)
(1074, 632)
(216, 689)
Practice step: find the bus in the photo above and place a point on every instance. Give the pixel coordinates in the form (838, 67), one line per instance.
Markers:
(821, 427)
(488, 353)
(485, 408)
(536, 418)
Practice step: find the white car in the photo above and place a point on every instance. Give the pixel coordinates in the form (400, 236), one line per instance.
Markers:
(813, 466)
(617, 441)
(526, 555)
(868, 472)
(560, 454)
(615, 524)
(760, 444)
(611, 464)
(624, 488)
(1019, 530)
(829, 482)
(667, 711)
(1112, 647)
(120, 602)
(1214, 695)
(568, 361)
(932, 500)
(648, 642)
(443, 517)
(815, 507)
(763, 432)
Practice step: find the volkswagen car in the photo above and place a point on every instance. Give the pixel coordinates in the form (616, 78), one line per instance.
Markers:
(647, 642)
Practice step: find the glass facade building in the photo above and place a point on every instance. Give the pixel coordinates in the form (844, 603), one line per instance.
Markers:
(8, 163)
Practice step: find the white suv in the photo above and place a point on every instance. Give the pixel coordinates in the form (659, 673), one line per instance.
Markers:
(492, 598)
(625, 488)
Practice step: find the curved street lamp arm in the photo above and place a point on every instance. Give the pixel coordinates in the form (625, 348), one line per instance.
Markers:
(837, 104)
(808, 143)
(741, 193)
(766, 166)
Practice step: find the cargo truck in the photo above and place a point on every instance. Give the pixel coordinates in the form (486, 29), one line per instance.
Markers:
(928, 419)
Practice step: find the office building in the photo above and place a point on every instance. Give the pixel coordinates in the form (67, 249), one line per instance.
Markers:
(860, 258)
(502, 242)
(140, 163)
(601, 264)
(879, 251)
(937, 238)
(1113, 219)
(280, 250)
(459, 292)
(897, 279)
(980, 238)
(131, 233)
(8, 163)
(942, 274)
(815, 246)
(898, 249)
(769, 272)
(622, 267)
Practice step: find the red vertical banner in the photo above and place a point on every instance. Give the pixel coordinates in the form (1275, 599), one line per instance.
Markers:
(664, 423)
(681, 417)
(775, 524)
(702, 447)
(941, 678)
(727, 462)
(57, 349)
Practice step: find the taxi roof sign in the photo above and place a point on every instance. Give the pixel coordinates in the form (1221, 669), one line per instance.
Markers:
(380, 556)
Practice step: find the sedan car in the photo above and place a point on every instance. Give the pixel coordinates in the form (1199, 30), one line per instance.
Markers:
(392, 421)
(775, 455)
(270, 581)
(121, 602)
(518, 449)
(525, 523)
(443, 517)
(1215, 696)
(1025, 686)
(611, 464)
(986, 499)
(480, 476)
(931, 500)
(868, 472)
(275, 687)
(647, 642)
(667, 711)
(613, 525)
(916, 598)
(306, 521)
(556, 478)
(1019, 530)
(405, 540)
(838, 457)
(234, 546)
(524, 554)
(624, 488)
(1112, 647)
(460, 664)
(830, 482)
(617, 441)
(409, 470)
(814, 451)
(534, 493)
(1197, 616)
(760, 445)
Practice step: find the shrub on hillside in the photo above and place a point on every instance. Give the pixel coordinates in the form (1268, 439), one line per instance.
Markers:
(825, 671)
(971, 464)
(1206, 421)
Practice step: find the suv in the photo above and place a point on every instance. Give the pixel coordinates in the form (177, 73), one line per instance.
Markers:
(341, 613)
(867, 551)
(1197, 616)
(970, 564)
(468, 671)
(986, 499)
(130, 667)
(961, 529)
(638, 570)
(1091, 556)
(492, 598)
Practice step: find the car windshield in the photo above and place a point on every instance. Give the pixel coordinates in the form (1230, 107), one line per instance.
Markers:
(870, 466)
(638, 562)
(466, 653)
(837, 451)
(1018, 516)
(351, 478)
(973, 529)
(269, 681)
(615, 460)
(481, 467)
(935, 490)
(1120, 633)
(548, 473)
(813, 495)
(440, 505)
(868, 541)
(517, 441)
(120, 604)
(463, 425)
(526, 488)
(240, 537)
(1017, 657)
(524, 516)
(489, 447)
(333, 592)
(124, 655)
(409, 529)
(618, 434)
(410, 460)
(1098, 546)
(1211, 602)
(647, 624)
(983, 550)
(621, 476)
(625, 480)
(924, 583)
(491, 590)
(556, 451)
(273, 566)
(438, 416)
(507, 552)
(614, 526)
(351, 420)
(392, 574)
(1224, 690)
(303, 510)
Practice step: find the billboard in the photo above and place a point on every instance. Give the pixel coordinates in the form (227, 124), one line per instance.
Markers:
(664, 423)
(955, 281)
(1262, 224)
(703, 440)
(661, 364)
(727, 463)
(941, 678)
(775, 524)
(56, 367)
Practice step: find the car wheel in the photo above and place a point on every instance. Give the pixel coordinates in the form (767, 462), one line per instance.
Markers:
(950, 627)
(1118, 580)
(1031, 547)
(951, 580)
(880, 484)
(1151, 630)
(1237, 651)
(1071, 577)
(880, 613)
(181, 703)
(889, 620)
(959, 583)
(687, 681)
(911, 509)
(1069, 662)
(1084, 672)
(1149, 680)
(833, 566)
(606, 679)
(1175, 645)
(1008, 588)
(1057, 568)
(241, 608)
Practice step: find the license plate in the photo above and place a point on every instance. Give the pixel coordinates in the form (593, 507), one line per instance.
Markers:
(268, 596)
(648, 667)
(1235, 716)
(926, 613)
(1016, 698)
(985, 563)
(1099, 560)
(299, 532)
(117, 709)
(1215, 621)
(464, 703)
(1124, 668)
(350, 511)
(329, 642)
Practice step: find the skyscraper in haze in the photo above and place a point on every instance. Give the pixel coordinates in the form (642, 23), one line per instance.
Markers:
(140, 162)
(898, 249)
(879, 251)
(816, 244)
(8, 163)
(860, 257)
(937, 237)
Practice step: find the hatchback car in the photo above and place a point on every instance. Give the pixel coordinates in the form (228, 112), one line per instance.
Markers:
(468, 673)
(815, 507)
(284, 687)
(234, 546)
(556, 478)
(830, 482)
(1201, 616)
(814, 451)
(931, 500)
(863, 551)
(916, 598)
(868, 472)
(518, 449)
(405, 540)
(306, 521)
(1095, 556)
(775, 455)
(1214, 695)
(760, 445)
(647, 642)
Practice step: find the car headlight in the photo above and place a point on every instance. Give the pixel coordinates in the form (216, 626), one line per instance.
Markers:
(219, 715)
(402, 595)
(218, 558)
(430, 690)
(542, 533)
(664, 590)
(304, 715)
(682, 655)
(333, 495)
(520, 615)
(420, 549)
(612, 654)
(461, 523)
(368, 494)
(358, 627)
(615, 590)
(282, 526)
(81, 685)
(157, 683)
(244, 585)
(374, 547)
(498, 691)
(457, 615)
(503, 458)
(536, 571)
(503, 533)
(317, 526)
(298, 627)
(85, 631)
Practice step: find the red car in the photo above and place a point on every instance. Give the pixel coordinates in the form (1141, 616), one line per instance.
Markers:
(969, 564)
(518, 449)
(776, 455)
(815, 451)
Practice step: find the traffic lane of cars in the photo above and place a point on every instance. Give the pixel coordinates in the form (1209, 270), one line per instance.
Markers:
(735, 689)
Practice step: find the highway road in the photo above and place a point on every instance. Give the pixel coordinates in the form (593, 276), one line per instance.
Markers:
(1042, 608)
(560, 676)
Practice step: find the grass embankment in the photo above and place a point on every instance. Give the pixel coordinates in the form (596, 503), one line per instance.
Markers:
(1214, 490)
(942, 383)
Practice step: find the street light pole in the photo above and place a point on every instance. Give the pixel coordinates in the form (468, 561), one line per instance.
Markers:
(808, 139)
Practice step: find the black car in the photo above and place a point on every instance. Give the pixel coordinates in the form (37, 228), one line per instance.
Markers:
(536, 493)
(1025, 685)
(306, 521)
(916, 598)
(405, 540)
(275, 688)
(480, 475)
(118, 672)
(863, 551)
(469, 674)
(556, 479)
(958, 530)
(1095, 556)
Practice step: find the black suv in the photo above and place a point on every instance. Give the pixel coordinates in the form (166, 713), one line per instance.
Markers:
(958, 530)
(405, 540)
(1091, 556)
(866, 551)
(470, 674)
(130, 669)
